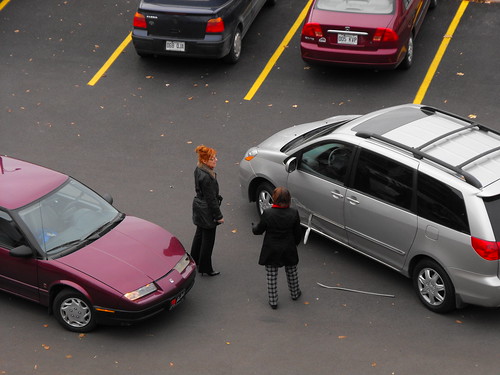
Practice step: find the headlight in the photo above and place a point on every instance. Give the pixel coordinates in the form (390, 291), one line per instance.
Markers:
(182, 264)
(141, 292)
(250, 154)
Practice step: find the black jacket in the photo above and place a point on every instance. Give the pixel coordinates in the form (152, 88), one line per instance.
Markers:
(283, 234)
(207, 190)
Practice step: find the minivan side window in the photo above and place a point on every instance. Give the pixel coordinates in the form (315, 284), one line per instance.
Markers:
(328, 160)
(441, 203)
(385, 179)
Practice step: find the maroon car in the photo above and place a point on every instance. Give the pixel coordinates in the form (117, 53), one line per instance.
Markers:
(374, 33)
(66, 247)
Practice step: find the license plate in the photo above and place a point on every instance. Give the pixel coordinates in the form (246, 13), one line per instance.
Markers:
(177, 299)
(347, 39)
(175, 46)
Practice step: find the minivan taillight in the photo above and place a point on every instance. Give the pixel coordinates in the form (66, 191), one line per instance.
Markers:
(385, 35)
(488, 250)
(215, 25)
(313, 30)
(140, 21)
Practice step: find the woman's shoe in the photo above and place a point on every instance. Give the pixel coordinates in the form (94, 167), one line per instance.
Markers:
(298, 296)
(212, 273)
(274, 307)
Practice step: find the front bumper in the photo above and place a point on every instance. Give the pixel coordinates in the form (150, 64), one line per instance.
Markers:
(109, 316)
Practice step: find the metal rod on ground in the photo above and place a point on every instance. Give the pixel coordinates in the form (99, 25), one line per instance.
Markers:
(356, 291)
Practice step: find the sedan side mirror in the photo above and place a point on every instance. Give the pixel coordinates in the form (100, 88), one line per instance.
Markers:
(22, 251)
(291, 164)
(108, 198)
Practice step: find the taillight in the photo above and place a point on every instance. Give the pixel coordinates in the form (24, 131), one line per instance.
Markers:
(313, 30)
(488, 250)
(215, 25)
(140, 21)
(385, 35)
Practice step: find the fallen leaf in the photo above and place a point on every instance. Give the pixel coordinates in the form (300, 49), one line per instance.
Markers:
(46, 347)
(234, 230)
(294, 106)
(342, 337)
(472, 116)
(458, 322)
(171, 364)
(460, 74)
(374, 364)
(69, 356)
(228, 343)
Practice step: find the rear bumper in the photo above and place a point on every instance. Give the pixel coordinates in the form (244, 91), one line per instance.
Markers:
(476, 289)
(211, 47)
(108, 316)
(381, 58)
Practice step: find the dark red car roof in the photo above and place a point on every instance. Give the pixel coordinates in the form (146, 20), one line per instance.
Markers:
(22, 182)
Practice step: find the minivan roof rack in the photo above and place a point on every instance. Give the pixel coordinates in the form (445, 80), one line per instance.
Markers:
(418, 154)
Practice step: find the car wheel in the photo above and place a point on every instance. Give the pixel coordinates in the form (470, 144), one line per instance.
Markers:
(434, 287)
(408, 60)
(234, 53)
(264, 197)
(74, 311)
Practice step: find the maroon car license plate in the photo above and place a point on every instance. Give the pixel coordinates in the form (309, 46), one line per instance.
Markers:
(347, 39)
(177, 299)
(175, 46)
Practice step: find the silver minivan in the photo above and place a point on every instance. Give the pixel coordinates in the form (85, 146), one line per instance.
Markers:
(412, 187)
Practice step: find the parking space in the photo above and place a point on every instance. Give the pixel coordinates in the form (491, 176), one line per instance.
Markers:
(133, 133)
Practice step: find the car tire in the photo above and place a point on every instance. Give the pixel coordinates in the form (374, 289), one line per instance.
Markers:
(235, 52)
(434, 287)
(74, 312)
(264, 197)
(408, 59)
(433, 4)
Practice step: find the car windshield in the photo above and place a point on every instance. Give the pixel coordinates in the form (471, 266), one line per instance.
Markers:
(312, 134)
(357, 6)
(67, 217)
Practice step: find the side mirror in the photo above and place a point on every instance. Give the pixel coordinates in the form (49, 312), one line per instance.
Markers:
(22, 251)
(291, 164)
(108, 198)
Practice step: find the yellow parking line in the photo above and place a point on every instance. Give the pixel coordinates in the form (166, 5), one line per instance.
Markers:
(3, 3)
(439, 55)
(111, 60)
(263, 75)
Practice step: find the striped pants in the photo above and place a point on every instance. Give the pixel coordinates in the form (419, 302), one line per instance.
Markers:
(292, 279)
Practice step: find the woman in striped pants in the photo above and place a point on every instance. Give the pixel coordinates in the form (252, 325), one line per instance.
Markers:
(281, 224)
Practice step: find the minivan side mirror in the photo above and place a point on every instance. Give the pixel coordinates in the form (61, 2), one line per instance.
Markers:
(22, 251)
(291, 164)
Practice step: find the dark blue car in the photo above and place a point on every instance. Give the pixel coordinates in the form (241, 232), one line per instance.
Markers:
(194, 28)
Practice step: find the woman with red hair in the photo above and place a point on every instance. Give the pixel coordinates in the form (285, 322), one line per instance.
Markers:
(206, 209)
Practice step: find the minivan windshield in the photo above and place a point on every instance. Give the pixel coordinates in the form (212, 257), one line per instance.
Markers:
(67, 217)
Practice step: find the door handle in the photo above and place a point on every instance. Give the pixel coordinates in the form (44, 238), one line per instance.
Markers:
(353, 200)
(336, 195)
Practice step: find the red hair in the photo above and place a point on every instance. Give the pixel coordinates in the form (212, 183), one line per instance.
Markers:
(205, 153)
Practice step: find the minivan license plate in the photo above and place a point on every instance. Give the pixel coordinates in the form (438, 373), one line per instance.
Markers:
(175, 46)
(347, 39)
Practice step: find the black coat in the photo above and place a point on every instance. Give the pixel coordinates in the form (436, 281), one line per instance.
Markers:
(208, 211)
(283, 234)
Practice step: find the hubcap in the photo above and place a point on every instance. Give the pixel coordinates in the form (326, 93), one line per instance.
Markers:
(237, 44)
(265, 200)
(75, 312)
(431, 286)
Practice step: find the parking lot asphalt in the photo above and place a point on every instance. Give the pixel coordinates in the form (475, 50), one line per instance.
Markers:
(133, 133)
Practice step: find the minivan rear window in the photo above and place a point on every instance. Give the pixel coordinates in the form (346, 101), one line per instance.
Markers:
(492, 205)
(441, 203)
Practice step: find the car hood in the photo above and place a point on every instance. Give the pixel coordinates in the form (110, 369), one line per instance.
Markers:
(278, 140)
(133, 254)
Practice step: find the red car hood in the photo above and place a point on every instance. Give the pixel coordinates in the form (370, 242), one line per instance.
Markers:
(133, 254)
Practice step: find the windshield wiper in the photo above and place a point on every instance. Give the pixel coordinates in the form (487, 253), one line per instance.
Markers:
(104, 228)
(67, 244)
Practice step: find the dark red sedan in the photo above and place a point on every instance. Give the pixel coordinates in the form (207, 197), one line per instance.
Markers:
(66, 247)
(378, 34)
